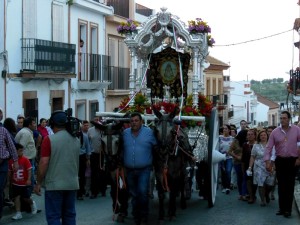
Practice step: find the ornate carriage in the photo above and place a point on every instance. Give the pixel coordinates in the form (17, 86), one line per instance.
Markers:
(162, 50)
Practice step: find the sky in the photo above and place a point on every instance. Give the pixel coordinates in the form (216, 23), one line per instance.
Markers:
(239, 21)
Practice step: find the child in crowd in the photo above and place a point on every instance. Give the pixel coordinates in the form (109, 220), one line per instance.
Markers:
(20, 183)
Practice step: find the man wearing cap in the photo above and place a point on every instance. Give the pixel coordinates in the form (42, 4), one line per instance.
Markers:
(58, 172)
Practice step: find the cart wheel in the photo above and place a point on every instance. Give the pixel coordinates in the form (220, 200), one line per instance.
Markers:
(214, 157)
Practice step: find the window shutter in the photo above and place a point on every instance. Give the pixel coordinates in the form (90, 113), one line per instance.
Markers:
(29, 18)
(57, 22)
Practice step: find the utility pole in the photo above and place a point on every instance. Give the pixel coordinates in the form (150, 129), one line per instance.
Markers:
(296, 71)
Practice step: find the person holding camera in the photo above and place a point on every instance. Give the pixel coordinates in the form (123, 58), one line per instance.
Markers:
(58, 170)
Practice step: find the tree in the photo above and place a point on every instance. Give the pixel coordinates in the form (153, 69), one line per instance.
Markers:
(279, 80)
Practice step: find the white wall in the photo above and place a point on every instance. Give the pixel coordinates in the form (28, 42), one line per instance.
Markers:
(239, 100)
(2, 19)
(15, 93)
(262, 113)
(14, 35)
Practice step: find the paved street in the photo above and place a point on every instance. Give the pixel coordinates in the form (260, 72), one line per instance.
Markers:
(227, 211)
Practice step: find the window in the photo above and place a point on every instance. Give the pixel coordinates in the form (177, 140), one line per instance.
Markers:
(30, 103)
(57, 100)
(121, 7)
(80, 107)
(94, 107)
(83, 50)
(119, 63)
(226, 78)
(57, 104)
(94, 58)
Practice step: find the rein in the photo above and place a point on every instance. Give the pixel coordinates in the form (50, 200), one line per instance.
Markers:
(121, 184)
(187, 154)
(165, 185)
(196, 140)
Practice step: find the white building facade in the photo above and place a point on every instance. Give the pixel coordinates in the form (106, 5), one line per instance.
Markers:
(241, 102)
(39, 57)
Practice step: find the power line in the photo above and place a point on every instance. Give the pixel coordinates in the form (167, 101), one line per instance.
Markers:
(257, 39)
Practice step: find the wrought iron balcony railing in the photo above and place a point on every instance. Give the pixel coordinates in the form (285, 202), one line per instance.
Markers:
(119, 78)
(94, 67)
(219, 99)
(121, 7)
(42, 56)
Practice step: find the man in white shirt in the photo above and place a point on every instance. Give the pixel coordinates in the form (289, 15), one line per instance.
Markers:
(25, 138)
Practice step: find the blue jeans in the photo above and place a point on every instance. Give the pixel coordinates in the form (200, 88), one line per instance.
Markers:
(138, 184)
(226, 167)
(32, 162)
(3, 180)
(240, 179)
(60, 207)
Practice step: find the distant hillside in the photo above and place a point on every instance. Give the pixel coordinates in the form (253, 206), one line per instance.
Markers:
(273, 89)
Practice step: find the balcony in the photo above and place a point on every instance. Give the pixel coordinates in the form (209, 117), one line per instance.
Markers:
(119, 78)
(121, 7)
(221, 100)
(145, 11)
(95, 72)
(47, 59)
(230, 113)
(97, 6)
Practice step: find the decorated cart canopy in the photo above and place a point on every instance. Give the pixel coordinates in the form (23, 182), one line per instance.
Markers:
(162, 50)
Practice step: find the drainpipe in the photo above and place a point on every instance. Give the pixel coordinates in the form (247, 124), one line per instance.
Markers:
(69, 41)
(4, 24)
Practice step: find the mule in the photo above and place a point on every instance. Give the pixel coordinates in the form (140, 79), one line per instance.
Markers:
(171, 158)
(111, 147)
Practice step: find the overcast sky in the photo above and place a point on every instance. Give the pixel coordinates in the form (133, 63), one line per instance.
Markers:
(237, 21)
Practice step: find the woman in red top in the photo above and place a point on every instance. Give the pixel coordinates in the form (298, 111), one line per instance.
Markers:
(42, 128)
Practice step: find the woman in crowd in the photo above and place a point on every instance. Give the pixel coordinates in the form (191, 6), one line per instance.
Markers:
(260, 175)
(225, 141)
(42, 128)
(235, 150)
(10, 125)
(247, 148)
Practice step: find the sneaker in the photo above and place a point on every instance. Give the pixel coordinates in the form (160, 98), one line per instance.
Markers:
(33, 208)
(18, 216)
(224, 190)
